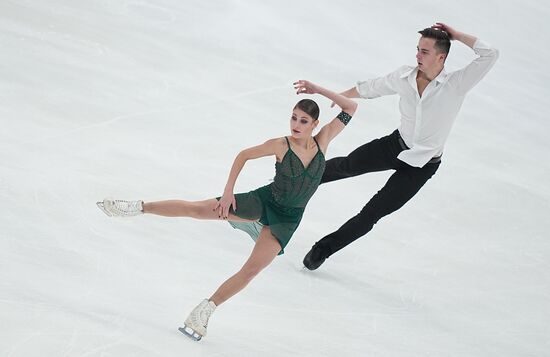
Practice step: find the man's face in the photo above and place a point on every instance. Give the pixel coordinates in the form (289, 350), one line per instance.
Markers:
(427, 57)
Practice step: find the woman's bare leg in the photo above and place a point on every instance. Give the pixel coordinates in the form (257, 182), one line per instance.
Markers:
(265, 250)
(179, 208)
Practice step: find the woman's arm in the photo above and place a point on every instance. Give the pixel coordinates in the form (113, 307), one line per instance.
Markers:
(330, 130)
(307, 87)
(227, 200)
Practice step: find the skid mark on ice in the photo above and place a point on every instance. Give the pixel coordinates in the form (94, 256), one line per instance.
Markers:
(409, 299)
(102, 348)
(108, 345)
(150, 12)
(92, 286)
(20, 343)
(325, 312)
(72, 341)
(152, 113)
(117, 321)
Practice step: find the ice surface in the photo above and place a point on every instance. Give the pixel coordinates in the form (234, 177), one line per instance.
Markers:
(153, 99)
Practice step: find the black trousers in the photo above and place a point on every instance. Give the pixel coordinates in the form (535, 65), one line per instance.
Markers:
(403, 184)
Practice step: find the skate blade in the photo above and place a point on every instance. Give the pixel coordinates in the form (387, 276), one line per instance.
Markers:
(101, 206)
(189, 332)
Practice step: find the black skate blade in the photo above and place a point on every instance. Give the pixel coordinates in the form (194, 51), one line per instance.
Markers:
(191, 333)
(102, 207)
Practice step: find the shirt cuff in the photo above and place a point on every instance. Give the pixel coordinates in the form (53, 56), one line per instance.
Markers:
(482, 45)
(358, 87)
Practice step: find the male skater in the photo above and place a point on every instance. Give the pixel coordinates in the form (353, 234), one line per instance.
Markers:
(430, 100)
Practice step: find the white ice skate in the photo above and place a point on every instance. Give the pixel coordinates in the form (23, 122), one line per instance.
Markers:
(120, 208)
(197, 321)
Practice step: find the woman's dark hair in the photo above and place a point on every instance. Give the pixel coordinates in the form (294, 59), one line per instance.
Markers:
(309, 107)
(442, 39)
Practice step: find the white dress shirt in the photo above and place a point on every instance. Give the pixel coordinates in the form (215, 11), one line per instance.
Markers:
(426, 121)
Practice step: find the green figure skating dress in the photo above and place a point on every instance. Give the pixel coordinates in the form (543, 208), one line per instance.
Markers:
(280, 205)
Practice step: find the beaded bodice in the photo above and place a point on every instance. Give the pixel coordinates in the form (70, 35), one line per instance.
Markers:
(294, 184)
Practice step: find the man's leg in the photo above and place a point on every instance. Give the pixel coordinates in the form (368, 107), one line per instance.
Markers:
(399, 189)
(377, 155)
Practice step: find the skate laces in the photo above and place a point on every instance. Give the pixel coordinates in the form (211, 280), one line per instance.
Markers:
(205, 310)
(125, 208)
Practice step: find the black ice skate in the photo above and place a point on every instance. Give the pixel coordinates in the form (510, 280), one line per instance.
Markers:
(315, 257)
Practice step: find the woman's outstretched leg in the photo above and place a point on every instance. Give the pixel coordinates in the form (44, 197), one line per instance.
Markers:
(265, 250)
(180, 208)
(172, 208)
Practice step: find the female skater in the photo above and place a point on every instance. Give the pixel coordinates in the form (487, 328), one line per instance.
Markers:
(270, 214)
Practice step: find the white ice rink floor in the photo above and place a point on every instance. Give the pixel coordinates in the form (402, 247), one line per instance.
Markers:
(153, 99)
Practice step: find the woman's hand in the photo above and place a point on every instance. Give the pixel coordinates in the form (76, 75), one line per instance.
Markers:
(306, 87)
(224, 204)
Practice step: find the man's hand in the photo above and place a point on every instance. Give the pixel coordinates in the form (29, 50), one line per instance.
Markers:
(466, 39)
(453, 34)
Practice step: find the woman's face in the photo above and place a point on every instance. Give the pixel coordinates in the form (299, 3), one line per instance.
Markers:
(301, 124)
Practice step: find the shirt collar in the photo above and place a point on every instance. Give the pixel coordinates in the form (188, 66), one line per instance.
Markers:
(408, 72)
(441, 77)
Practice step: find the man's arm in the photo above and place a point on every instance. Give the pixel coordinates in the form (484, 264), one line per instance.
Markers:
(466, 39)
(378, 87)
(374, 88)
(470, 75)
(351, 93)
